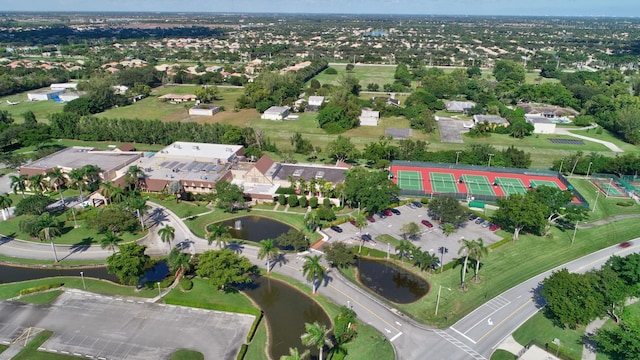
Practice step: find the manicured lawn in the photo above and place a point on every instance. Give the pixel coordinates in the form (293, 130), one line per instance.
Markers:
(606, 135)
(366, 74)
(605, 207)
(512, 264)
(502, 355)
(541, 330)
(203, 293)
(258, 348)
(183, 209)
(42, 109)
(65, 262)
(184, 354)
(11, 290)
(41, 298)
(3, 348)
(386, 238)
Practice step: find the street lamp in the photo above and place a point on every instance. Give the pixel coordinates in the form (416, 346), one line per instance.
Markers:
(575, 230)
(443, 250)
(589, 168)
(438, 298)
(595, 203)
(561, 163)
(489, 164)
(84, 285)
(457, 156)
(159, 292)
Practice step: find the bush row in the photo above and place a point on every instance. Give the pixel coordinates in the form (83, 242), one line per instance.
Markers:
(254, 327)
(243, 351)
(40, 288)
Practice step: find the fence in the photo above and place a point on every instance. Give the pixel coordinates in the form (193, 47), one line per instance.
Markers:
(622, 186)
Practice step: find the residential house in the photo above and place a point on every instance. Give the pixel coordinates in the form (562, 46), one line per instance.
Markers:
(369, 117)
(276, 113)
(541, 124)
(459, 106)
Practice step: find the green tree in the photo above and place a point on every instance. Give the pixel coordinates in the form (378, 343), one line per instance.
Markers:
(623, 341)
(218, 233)
(34, 204)
(110, 241)
(371, 189)
(316, 335)
(5, 204)
(404, 248)
(49, 227)
(133, 175)
(167, 234)
(466, 248)
(341, 149)
(571, 299)
(294, 354)
(448, 229)
(508, 69)
(478, 250)
(19, 183)
(314, 271)
(339, 255)
(293, 239)
(449, 210)
(177, 260)
(37, 183)
(129, 263)
(230, 196)
(224, 268)
(269, 251)
(138, 204)
(78, 181)
(57, 180)
(207, 94)
(410, 230)
(517, 212)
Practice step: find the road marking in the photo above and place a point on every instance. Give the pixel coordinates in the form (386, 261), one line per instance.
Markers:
(505, 319)
(387, 330)
(398, 323)
(460, 345)
(489, 322)
(463, 335)
(488, 317)
(395, 337)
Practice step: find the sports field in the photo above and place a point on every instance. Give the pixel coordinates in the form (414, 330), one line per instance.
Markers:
(422, 178)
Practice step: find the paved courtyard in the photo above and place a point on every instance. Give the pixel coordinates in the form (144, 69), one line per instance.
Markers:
(105, 327)
(430, 239)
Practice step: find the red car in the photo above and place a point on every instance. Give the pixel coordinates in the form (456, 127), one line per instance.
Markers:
(494, 227)
(387, 212)
(625, 244)
(427, 223)
(371, 219)
(353, 222)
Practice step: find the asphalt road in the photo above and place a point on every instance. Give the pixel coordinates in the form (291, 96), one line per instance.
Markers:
(104, 327)
(474, 337)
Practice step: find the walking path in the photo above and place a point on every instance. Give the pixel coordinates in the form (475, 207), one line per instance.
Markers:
(564, 131)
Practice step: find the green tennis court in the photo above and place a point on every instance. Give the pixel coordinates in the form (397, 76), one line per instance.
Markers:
(536, 183)
(478, 185)
(410, 180)
(511, 186)
(443, 182)
(610, 190)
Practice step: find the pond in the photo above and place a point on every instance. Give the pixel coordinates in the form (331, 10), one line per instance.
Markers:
(255, 228)
(286, 310)
(391, 281)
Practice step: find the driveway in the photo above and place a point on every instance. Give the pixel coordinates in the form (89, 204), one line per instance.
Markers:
(96, 326)
(430, 238)
(451, 130)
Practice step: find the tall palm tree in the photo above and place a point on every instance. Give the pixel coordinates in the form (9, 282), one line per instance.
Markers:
(313, 270)
(118, 195)
(218, 233)
(37, 183)
(106, 190)
(269, 250)
(361, 223)
(403, 248)
(110, 241)
(19, 183)
(167, 234)
(91, 173)
(78, 181)
(466, 248)
(49, 228)
(178, 260)
(478, 251)
(57, 180)
(133, 175)
(5, 204)
(294, 354)
(316, 335)
(139, 204)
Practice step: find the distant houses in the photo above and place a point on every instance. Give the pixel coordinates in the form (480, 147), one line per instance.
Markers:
(541, 124)
(491, 119)
(276, 113)
(43, 95)
(459, 106)
(178, 98)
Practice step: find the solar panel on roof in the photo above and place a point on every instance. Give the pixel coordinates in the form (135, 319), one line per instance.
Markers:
(171, 165)
(198, 167)
(189, 166)
(162, 164)
(208, 167)
(298, 172)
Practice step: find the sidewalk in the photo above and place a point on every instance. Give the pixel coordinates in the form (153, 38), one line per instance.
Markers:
(531, 353)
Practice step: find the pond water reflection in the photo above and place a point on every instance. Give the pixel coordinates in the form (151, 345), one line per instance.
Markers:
(391, 281)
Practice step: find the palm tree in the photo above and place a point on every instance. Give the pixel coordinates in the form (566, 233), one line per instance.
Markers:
(167, 234)
(139, 204)
(110, 241)
(91, 173)
(466, 248)
(178, 260)
(403, 248)
(58, 180)
(118, 195)
(361, 223)
(313, 270)
(316, 335)
(49, 227)
(78, 181)
(294, 354)
(133, 175)
(5, 204)
(107, 190)
(478, 251)
(218, 233)
(269, 250)
(18, 183)
(37, 183)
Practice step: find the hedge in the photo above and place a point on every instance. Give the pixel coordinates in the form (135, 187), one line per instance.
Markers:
(186, 284)
(254, 327)
(40, 288)
(243, 351)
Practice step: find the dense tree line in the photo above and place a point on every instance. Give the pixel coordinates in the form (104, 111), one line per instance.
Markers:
(13, 81)
(580, 163)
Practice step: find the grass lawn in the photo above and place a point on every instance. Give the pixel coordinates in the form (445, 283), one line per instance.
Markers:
(3, 348)
(503, 355)
(366, 74)
(386, 238)
(541, 330)
(183, 209)
(258, 348)
(30, 351)
(532, 254)
(41, 298)
(184, 354)
(606, 135)
(606, 206)
(203, 293)
(66, 262)
(12, 290)
(41, 109)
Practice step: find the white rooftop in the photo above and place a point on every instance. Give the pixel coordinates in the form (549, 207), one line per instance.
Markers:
(181, 149)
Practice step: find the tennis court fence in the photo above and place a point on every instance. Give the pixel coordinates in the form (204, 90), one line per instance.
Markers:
(624, 186)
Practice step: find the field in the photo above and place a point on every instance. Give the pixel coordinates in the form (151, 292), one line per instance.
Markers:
(41, 109)
(367, 74)
(540, 329)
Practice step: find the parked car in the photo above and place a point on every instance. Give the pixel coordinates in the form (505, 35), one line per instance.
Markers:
(353, 222)
(479, 220)
(387, 212)
(366, 237)
(473, 217)
(417, 204)
(381, 215)
(494, 227)
(395, 211)
(337, 229)
(427, 223)
(411, 206)
(370, 219)
(486, 223)
(624, 245)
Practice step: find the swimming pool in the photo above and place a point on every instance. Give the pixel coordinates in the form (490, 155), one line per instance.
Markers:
(560, 121)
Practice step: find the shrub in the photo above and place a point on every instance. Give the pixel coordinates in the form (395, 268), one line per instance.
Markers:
(33, 205)
(313, 202)
(331, 71)
(292, 200)
(303, 201)
(243, 351)
(282, 199)
(40, 288)
(186, 284)
(326, 202)
(625, 203)
(254, 327)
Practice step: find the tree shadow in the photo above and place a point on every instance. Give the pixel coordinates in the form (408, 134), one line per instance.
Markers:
(79, 247)
(538, 300)
(326, 278)
(157, 216)
(280, 260)
(235, 246)
(5, 239)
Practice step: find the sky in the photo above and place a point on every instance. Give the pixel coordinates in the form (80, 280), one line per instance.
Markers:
(621, 8)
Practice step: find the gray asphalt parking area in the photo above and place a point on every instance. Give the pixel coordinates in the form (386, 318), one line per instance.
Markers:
(430, 239)
(105, 327)
(451, 130)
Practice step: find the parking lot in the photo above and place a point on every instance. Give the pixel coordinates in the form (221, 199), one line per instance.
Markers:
(105, 327)
(430, 238)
